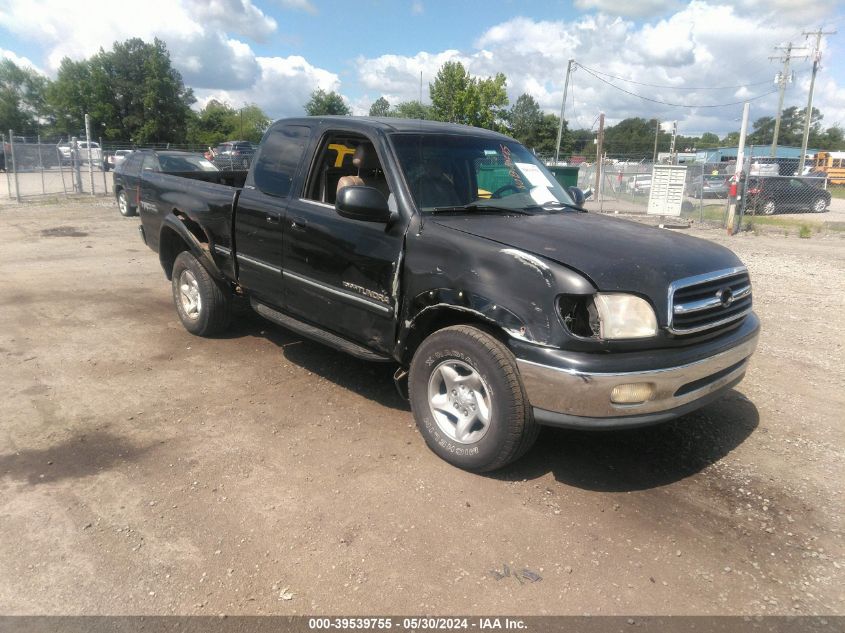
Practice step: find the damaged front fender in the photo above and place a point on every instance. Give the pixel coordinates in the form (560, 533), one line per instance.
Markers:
(451, 272)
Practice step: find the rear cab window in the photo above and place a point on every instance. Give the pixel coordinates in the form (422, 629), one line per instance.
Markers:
(279, 158)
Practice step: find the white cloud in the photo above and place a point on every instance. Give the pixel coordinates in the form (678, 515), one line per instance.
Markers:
(195, 32)
(282, 88)
(21, 62)
(417, 8)
(211, 60)
(238, 16)
(704, 45)
(301, 5)
(636, 8)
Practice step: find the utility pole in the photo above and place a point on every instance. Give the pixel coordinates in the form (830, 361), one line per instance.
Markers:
(569, 68)
(740, 161)
(656, 136)
(672, 159)
(782, 79)
(817, 55)
(599, 144)
(90, 153)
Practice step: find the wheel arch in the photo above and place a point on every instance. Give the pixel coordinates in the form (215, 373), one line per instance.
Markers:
(436, 317)
(180, 233)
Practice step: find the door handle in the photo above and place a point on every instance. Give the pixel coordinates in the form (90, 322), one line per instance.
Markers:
(298, 224)
(272, 219)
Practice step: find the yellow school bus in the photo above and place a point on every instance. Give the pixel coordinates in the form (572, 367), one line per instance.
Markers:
(832, 164)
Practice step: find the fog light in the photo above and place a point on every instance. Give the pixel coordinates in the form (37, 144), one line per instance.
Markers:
(632, 393)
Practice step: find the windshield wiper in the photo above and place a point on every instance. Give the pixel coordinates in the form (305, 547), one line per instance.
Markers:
(474, 206)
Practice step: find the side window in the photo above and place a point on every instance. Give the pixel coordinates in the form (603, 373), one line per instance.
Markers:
(150, 163)
(133, 164)
(344, 160)
(279, 159)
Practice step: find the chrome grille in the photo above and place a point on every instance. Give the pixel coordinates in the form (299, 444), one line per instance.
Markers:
(710, 301)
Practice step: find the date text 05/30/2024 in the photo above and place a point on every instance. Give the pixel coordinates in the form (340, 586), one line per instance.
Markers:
(416, 624)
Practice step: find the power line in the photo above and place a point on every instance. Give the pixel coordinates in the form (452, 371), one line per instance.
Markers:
(677, 105)
(639, 83)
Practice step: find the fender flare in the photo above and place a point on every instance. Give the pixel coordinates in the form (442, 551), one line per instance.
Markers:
(197, 248)
(429, 306)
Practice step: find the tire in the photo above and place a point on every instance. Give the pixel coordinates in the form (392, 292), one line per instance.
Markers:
(769, 207)
(203, 304)
(126, 209)
(488, 394)
(819, 205)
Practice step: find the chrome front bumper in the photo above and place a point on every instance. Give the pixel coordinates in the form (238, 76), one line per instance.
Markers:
(572, 398)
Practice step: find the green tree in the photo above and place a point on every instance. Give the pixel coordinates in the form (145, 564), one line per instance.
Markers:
(450, 93)
(412, 110)
(634, 138)
(525, 117)
(324, 103)
(489, 99)
(218, 122)
(380, 107)
(708, 139)
(791, 127)
(457, 97)
(546, 136)
(21, 97)
(731, 139)
(131, 93)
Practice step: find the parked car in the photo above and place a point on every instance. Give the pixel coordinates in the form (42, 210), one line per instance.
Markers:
(502, 314)
(709, 187)
(785, 194)
(234, 155)
(116, 158)
(639, 184)
(126, 177)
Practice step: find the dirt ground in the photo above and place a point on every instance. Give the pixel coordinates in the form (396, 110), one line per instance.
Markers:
(147, 471)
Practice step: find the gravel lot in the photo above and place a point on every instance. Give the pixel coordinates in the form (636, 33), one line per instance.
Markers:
(143, 470)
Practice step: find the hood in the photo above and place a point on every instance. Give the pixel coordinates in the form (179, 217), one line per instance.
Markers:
(616, 255)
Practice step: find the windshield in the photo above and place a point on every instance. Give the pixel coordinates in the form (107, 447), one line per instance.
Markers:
(446, 171)
(185, 163)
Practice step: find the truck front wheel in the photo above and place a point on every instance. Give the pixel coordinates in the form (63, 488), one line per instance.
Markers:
(468, 399)
(203, 304)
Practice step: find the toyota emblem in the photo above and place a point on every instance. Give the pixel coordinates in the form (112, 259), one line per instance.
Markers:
(725, 297)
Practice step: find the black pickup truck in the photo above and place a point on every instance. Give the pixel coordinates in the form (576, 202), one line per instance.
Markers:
(453, 253)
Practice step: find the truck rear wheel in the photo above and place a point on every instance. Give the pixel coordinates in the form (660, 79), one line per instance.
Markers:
(468, 400)
(203, 303)
(126, 209)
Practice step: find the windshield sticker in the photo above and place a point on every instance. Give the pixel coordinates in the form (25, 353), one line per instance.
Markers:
(536, 177)
(506, 156)
(541, 195)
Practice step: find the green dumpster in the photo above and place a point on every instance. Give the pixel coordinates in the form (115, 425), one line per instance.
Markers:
(566, 176)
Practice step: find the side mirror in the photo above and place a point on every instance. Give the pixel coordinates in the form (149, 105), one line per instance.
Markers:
(366, 204)
(577, 195)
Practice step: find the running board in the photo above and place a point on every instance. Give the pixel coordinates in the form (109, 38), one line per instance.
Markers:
(316, 334)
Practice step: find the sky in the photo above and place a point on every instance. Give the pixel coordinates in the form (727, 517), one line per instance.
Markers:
(274, 53)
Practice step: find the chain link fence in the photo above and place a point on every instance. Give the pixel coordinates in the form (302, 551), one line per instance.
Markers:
(33, 168)
(768, 187)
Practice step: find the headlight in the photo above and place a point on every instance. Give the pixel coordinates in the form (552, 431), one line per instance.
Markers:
(624, 316)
